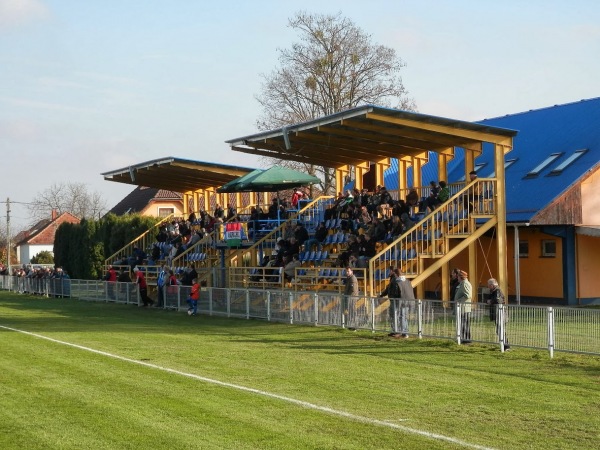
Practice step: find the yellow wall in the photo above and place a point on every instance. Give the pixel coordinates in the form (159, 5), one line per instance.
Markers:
(588, 279)
(153, 207)
(540, 276)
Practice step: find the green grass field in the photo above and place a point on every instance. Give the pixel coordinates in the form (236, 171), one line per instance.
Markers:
(77, 375)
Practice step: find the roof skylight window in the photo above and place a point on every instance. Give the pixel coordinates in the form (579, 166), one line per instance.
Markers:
(567, 162)
(535, 172)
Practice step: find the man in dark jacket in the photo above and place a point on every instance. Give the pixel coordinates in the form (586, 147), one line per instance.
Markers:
(400, 293)
(495, 298)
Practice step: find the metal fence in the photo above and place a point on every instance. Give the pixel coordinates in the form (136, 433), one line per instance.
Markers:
(563, 329)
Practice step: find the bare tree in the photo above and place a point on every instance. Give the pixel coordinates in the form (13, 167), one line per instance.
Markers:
(334, 66)
(74, 198)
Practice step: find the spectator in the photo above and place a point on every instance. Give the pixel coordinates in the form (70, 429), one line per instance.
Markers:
(444, 193)
(140, 280)
(412, 199)
(139, 256)
(188, 275)
(231, 212)
(219, 212)
(432, 200)
(350, 291)
(289, 270)
(301, 233)
(296, 196)
(464, 297)
(161, 281)
(320, 236)
(111, 278)
(495, 298)
(193, 298)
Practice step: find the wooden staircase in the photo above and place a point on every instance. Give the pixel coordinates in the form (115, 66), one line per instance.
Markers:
(437, 237)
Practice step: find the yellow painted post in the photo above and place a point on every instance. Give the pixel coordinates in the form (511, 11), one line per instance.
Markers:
(186, 202)
(361, 169)
(380, 167)
(421, 286)
(196, 201)
(445, 288)
(501, 240)
(442, 167)
(340, 174)
(417, 164)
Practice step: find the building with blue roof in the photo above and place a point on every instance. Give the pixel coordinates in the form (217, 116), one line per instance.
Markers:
(552, 205)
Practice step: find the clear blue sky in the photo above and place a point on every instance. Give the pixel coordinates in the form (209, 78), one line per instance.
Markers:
(96, 85)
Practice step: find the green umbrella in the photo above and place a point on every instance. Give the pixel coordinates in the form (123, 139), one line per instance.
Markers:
(273, 179)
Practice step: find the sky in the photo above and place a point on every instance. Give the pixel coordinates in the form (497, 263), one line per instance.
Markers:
(88, 87)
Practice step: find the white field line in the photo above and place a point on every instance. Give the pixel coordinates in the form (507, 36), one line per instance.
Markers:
(325, 409)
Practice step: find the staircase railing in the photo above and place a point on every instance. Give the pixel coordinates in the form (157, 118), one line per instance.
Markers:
(429, 238)
(309, 215)
(144, 241)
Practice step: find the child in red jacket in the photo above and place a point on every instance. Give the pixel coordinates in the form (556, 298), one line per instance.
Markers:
(193, 298)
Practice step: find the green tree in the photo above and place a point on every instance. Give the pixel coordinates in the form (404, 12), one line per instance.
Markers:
(334, 66)
(81, 249)
(43, 257)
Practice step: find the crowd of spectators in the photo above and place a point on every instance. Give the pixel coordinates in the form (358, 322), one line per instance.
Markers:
(32, 279)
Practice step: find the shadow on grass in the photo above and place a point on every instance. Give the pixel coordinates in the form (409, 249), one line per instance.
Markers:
(54, 315)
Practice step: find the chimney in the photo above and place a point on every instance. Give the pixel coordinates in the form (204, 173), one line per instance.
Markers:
(54, 214)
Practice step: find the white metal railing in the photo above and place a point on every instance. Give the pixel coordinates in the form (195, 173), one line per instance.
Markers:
(564, 329)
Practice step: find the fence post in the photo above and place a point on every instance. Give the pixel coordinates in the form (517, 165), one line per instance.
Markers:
(551, 331)
(372, 314)
(268, 306)
(291, 300)
(228, 296)
(458, 322)
(316, 300)
(210, 301)
(500, 327)
(420, 318)
(247, 304)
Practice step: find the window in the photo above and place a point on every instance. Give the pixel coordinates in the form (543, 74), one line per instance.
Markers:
(164, 212)
(567, 162)
(523, 249)
(535, 172)
(548, 248)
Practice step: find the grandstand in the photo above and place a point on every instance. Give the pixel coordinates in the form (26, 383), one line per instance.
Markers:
(366, 139)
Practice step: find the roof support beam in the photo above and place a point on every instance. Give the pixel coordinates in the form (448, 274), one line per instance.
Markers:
(443, 129)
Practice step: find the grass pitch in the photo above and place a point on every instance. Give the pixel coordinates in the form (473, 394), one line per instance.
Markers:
(78, 375)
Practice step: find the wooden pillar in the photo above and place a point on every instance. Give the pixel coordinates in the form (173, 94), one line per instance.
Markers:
(186, 202)
(442, 167)
(361, 169)
(380, 167)
(417, 164)
(340, 174)
(196, 201)
(501, 239)
(445, 287)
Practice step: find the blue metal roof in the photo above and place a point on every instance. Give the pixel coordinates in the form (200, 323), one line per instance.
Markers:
(562, 129)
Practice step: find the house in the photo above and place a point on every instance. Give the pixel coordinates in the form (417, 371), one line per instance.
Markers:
(552, 204)
(40, 237)
(150, 202)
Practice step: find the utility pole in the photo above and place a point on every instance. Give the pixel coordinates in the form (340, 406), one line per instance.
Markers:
(8, 236)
